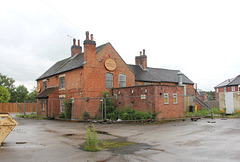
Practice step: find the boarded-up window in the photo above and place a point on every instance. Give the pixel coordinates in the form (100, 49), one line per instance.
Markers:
(122, 80)
(166, 98)
(109, 80)
(174, 98)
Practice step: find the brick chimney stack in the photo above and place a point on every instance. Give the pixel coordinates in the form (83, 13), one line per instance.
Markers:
(76, 49)
(89, 49)
(141, 60)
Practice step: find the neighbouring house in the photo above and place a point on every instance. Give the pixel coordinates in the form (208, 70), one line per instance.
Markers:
(228, 95)
(202, 95)
(84, 75)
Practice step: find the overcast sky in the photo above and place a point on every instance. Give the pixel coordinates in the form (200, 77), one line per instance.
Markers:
(200, 38)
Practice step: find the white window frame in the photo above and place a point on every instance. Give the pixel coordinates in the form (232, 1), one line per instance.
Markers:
(175, 97)
(62, 104)
(166, 97)
(122, 80)
(61, 85)
(109, 80)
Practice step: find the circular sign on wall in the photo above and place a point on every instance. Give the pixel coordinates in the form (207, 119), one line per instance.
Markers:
(38, 87)
(110, 64)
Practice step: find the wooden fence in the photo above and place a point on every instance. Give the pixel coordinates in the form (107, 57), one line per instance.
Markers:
(14, 108)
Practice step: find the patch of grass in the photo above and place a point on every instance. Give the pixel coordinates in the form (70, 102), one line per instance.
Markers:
(105, 144)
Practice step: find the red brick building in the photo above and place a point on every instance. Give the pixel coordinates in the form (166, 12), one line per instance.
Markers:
(229, 85)
(86, 74)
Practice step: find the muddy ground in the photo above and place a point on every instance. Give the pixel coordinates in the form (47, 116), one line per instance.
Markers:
(53, 140)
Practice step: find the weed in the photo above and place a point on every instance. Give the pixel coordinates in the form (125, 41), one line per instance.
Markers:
(92, 140)
(85, 115)
(31, 116)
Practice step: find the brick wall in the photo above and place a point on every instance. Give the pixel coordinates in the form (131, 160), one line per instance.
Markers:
(154, 101)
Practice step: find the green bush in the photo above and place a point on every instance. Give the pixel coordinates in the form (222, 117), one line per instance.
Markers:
(125, 113)
(128, 113)
(68, 108)
(188, 113)
(92, 140)
(202, 112)
(215, 110)
(61, 115)
(85, 115)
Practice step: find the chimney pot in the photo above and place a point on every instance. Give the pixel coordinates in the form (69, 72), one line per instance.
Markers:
(180, 75)
(143, 51)
(91, 37)
(87, 35)
(74, 41)
(140, 53)
(78, 42)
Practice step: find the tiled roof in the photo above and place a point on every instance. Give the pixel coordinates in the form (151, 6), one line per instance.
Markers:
(229, 82)
(149, 75)
(67, 64)
(45, 93)
(157, 75)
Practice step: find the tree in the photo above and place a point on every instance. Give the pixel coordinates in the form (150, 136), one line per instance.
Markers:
(20, 94)
(32, 95)
(4, 95)
(7, 83)
(211, 95)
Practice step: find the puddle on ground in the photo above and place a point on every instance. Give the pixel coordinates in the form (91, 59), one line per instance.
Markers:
(102, 132)
(19, 143)
(69, 135)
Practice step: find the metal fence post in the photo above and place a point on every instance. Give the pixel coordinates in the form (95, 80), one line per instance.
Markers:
(102, 106)
(24, 108)
(105, 107)
(73, 109)
(37, 108)
(52, 109)
(150, 106)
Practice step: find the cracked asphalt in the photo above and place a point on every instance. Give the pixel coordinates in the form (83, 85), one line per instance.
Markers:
(53, 140)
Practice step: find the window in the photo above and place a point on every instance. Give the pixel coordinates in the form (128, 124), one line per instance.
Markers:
(174, 98)
(62, 82)
(233, 88)
(122, 80)
(109, 80)
(147, 83)
(43, 105)
(217, 90)
(225, 89)
(62, 104)
(44, 85)
(166, 98)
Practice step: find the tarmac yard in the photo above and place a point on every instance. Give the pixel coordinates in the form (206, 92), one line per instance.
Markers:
(53, 140)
